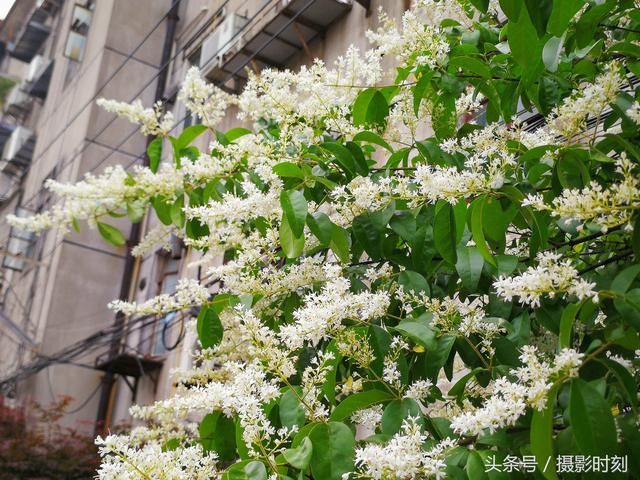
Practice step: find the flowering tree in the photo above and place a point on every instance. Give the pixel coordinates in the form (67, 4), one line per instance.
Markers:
(398, 304)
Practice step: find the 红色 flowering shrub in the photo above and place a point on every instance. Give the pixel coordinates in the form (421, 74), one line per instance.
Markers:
(398, 305)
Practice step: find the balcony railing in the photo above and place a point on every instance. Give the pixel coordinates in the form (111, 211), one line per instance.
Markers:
(18, 151)
(39, 76)
(271, 38)
(31, 36)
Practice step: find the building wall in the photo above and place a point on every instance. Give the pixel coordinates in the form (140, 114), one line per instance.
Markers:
(65, 290)
(194, 14)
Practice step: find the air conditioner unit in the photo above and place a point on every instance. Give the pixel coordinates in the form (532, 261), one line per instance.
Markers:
(35, 67)
(16, 100)
(19, 139)
(209, 49)
(230, 30)
(222, 39)
(7, 184)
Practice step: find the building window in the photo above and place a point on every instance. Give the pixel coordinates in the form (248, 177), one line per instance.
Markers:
(168, 276)
(78, 32)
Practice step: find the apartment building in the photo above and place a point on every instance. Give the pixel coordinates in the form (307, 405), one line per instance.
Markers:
(54, 298)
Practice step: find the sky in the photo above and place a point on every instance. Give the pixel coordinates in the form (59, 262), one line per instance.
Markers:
(5, 6)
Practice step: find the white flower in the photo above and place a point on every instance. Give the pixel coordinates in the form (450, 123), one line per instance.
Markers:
(152, 121)
(403, 457)
(203, 99)
(551, 277)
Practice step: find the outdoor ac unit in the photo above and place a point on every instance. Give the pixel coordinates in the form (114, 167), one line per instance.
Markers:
(209, 48)
(35, 67)
(7, 183)
(19, 137)
(230, 32)
(17, 99)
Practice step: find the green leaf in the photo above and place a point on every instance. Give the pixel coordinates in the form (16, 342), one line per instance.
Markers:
(523, 41)
(255, 471)
(333, 450)
(541, 437)
(292, 246)
(561, 14)
(511, 8)
(163, 209)
(372, 138)
(444, 232)
(340, 243)
(413, 281)
(625, 379)
(358, 156)
(288, 169)
(188, 135)
(111, 234)
(475, 467)
(625, 279)
(469, 266)
(343, 156)
(458, 388)
(299, 457)
(209, 327)
(291, 410)
(236, 133)
(177, 212)
(321, 226)
(436, 358)
(477, 231)
(358, 401)
(420, 332)
(471, 65)
(566, 324)
(217, 433)
(294, 206)
(444, 116)
(368, 235)
(588, 24)
(482, 5)
(551, 52)
(370, 108)
(591, 420)
(396, 412)
(154, 153)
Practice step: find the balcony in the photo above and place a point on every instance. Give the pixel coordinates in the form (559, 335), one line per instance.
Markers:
(39, 76)
(17, 102)
(8, 186)
(18, 151)
(19, 245)
(271, 38)
(31, 36)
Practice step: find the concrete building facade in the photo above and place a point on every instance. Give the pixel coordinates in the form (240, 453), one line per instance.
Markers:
(54, 318)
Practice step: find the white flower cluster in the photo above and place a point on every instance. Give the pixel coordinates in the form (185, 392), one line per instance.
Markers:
(203, 99)
(97, 196)
(553, 276)
(158, 237)
(569, 119)
(242, 391)
(509, 400)
(189, 293)
(607, 207)
(152, 120)
(121, 461)
(403, 457)
(323, 313)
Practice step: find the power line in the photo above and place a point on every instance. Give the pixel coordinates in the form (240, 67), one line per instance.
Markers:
(109, 79)
(115, 117)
